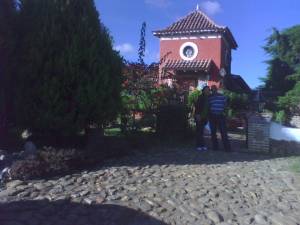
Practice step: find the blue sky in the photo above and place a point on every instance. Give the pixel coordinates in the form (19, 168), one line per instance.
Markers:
(250, 21)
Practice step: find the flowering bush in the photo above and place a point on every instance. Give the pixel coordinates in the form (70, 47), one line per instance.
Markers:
(192, 98)
(236, 103)
(141, 94)
(48, 161)
(59, 160)
(27, 169)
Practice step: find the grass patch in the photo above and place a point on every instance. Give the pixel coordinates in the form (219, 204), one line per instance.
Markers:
(112, 132)
(116, 132)
(295, 165)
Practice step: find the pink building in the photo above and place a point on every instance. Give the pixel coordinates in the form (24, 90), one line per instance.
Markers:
(195, 51)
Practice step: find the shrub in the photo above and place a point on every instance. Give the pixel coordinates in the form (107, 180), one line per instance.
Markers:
(280, 117)
(48, 161)
(230, 113)
(236, 103)
(172, 119)
(148, 120)
(59, 160)
(27, 169)
(141, 96)
(291, 100)
(192, 98)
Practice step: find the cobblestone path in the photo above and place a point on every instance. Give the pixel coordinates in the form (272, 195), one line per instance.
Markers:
(173, 186)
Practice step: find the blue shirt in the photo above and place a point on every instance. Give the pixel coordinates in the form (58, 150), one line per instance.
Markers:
(217, 104)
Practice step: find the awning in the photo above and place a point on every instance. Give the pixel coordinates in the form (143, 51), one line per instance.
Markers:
(195, 65)
(236, 83)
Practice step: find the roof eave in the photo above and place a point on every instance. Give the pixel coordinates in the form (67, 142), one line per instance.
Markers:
(226, 31)
(231, 38)
(162, 33)
(206, 67)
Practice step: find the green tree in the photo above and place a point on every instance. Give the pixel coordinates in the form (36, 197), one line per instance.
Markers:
(142, 44)
(140, 93)
(70, 76)
(284, 67)
(278, 72)
(237, 103)
(280, 66)
(291, 100)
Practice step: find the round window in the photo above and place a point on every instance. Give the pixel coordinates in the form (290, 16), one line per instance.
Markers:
(188, 51)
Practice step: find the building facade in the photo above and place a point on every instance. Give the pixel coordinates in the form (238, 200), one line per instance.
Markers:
(194, 52)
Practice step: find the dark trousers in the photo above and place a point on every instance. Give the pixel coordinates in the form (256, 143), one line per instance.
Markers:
(200, 125)
(218, 122)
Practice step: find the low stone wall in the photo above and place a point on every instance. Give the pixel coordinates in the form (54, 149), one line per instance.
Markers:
(284, 147)
(258, 133)
(268, 137)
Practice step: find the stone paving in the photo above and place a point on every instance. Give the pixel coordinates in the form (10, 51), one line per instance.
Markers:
(172, 186)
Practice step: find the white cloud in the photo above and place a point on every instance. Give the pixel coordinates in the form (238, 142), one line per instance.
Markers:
(158, 3)
(151, 56)
(125, 48)
(211, 7)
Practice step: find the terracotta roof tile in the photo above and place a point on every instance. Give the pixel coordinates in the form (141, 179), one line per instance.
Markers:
(192, 23)
(196, 23)
(188, 65)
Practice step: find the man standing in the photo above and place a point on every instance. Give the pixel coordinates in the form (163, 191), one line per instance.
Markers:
(217, 119)
(201, 117)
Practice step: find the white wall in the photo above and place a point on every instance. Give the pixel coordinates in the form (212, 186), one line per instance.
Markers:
(279, 132)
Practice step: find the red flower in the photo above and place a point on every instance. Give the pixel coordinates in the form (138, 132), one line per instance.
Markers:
(125, 83)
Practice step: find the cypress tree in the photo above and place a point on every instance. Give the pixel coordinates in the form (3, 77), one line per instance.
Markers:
(142, 44)
(8, 16)
(70, 76)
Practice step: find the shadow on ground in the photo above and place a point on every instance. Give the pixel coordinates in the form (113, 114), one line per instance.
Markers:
(178, 153)
(187, 156)
(67, 213)
(156, 151)
(181, 153)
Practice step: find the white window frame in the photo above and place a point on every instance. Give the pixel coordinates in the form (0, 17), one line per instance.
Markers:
(186, 44)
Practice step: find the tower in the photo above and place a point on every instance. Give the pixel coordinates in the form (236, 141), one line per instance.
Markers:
(195, 51)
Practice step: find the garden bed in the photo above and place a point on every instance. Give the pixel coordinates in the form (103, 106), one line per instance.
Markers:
(283, 147)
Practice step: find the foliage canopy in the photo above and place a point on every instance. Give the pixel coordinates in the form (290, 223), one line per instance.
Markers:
(283, 76)
(70, 76)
